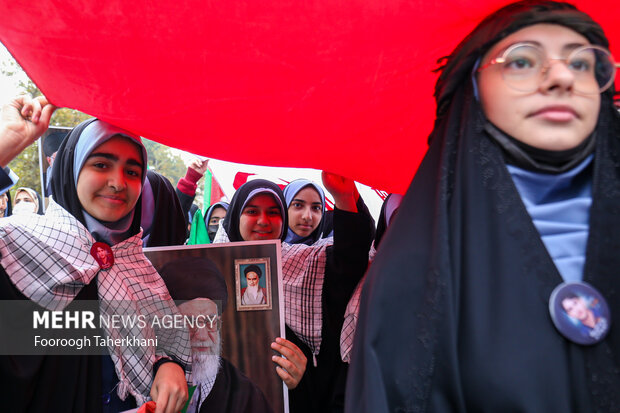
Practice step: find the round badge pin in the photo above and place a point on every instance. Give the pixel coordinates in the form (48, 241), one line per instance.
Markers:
(102, 253)
(579, 312)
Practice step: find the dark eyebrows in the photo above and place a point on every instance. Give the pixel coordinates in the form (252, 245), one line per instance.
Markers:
(572, 46)
(106, 155)
(113, 157)
(567, 47)
(301, 201)
(255, 206)
(134, 162)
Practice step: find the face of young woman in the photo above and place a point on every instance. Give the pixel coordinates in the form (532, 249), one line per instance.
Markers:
(217, 215)
(4, 202)
(261, 219)
(305, 212)
(110, 181)
(23, 196)
(24, 204)
(553, 117)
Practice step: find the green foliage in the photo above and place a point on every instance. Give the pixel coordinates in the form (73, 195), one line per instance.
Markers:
(68, 117)
(162, 160)
(62, 117)
(26, 166)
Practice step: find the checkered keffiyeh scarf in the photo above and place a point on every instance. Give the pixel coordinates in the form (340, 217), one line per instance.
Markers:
(48, 259)
(351, 315)
(303, 274)
(350, 322)
(201, 393)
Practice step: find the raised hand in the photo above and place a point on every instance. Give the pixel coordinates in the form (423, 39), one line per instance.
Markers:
(342, 189)
(23, 120)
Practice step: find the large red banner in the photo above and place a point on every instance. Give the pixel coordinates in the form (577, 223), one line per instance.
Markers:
(344, 86)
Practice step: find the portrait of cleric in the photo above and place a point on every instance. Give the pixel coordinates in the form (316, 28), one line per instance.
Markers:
(216, 385)
(253, 284)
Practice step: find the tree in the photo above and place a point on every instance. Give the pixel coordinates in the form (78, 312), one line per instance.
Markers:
(63, 116)
(164, 161)
(26, 165)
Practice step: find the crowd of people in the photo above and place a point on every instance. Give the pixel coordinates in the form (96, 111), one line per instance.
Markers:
(489, 286)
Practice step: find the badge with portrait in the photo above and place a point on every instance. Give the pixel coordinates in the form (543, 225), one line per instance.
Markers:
(580, 313)
(238, 287)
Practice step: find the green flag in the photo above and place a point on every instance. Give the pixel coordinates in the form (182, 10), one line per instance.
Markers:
(190, 390)
(198, 232)
(206, 200)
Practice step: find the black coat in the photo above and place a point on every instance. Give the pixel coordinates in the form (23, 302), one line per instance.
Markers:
(454, 314)
(233, 392)
(322, 387)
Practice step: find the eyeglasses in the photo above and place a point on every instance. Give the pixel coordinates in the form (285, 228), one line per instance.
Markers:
(525, 65)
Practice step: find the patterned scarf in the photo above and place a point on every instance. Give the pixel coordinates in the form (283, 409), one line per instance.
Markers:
(48, 259)
(303, 274)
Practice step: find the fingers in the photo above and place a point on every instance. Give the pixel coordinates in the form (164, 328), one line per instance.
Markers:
(22, 121)
(290, 382)
(38, 111)
(167, 401)
(289, 350)
(287, 371)
(337, 183)
(161, 401)
(31, 108)
(169, 390)
(199, 165)
(178, 404)
(327, 178)
(46, 114)
(292, 366)
(343, 190)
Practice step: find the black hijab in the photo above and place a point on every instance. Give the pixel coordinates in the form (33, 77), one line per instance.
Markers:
(163, 222)
(388, 209)
(64, 182)
(9, 205)
(212, 229)
(454, 314)
(247, 191)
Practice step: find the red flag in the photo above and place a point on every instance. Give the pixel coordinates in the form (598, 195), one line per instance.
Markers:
(217, 194)
(340, 86)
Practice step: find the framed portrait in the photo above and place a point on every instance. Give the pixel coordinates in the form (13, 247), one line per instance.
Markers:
(246, 336)
(252, 284)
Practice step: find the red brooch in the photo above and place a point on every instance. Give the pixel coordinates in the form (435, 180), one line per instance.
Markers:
(102, 253)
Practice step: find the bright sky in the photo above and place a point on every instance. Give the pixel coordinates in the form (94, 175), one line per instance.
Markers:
(8, 85)
(223, 171)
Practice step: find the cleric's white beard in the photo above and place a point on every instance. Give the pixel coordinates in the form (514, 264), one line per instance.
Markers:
(206, 366)
(253, 290)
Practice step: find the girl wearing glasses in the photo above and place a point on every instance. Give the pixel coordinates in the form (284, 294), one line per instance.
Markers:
(521, 189)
